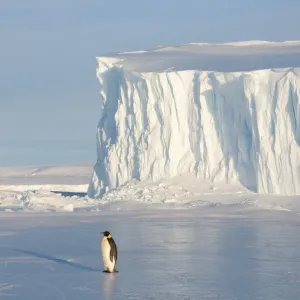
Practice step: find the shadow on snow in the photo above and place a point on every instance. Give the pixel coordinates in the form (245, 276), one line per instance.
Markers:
(58, 260)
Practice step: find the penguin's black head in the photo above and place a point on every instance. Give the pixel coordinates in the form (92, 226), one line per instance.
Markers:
(106, 233)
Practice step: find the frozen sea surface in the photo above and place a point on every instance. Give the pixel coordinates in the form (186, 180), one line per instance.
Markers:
(171, 254)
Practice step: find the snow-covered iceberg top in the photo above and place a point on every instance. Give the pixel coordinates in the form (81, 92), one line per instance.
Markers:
(230, 57)
(201, 110)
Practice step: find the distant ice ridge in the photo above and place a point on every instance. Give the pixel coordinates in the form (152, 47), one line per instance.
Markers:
(236, 127)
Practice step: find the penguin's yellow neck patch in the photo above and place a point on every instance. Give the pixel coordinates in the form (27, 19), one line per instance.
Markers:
(109, 236)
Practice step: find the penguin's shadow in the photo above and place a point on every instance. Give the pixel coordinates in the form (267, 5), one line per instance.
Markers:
(58, 260)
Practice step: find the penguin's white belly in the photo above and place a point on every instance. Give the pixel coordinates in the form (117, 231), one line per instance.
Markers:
(105, 247)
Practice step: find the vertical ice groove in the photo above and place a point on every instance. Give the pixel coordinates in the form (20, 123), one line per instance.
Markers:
(194, 122)
(237, 127)
(174, 100)
(160, 112)
(293, 109)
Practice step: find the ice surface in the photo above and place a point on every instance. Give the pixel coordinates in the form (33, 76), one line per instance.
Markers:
(224, 243)
(171, 112)
(177, 255)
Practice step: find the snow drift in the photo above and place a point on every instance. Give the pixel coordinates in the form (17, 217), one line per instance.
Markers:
(162, 120)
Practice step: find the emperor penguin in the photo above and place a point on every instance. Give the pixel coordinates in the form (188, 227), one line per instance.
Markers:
(109, 252)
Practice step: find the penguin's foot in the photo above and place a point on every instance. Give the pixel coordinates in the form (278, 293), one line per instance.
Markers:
(114, 271)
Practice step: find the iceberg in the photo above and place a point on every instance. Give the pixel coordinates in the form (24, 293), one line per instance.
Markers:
(220, 113)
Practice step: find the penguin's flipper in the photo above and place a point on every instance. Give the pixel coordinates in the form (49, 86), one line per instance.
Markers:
(113, 250)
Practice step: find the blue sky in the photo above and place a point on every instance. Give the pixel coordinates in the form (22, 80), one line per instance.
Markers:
(49, 96)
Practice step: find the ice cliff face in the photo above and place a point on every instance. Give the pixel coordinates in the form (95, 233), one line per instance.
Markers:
(220, 126)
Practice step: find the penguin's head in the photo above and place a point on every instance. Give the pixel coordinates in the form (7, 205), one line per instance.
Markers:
(106, 233)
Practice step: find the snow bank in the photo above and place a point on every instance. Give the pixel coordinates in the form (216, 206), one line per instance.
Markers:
(45, 188)
(179, 192)
(165, 114)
